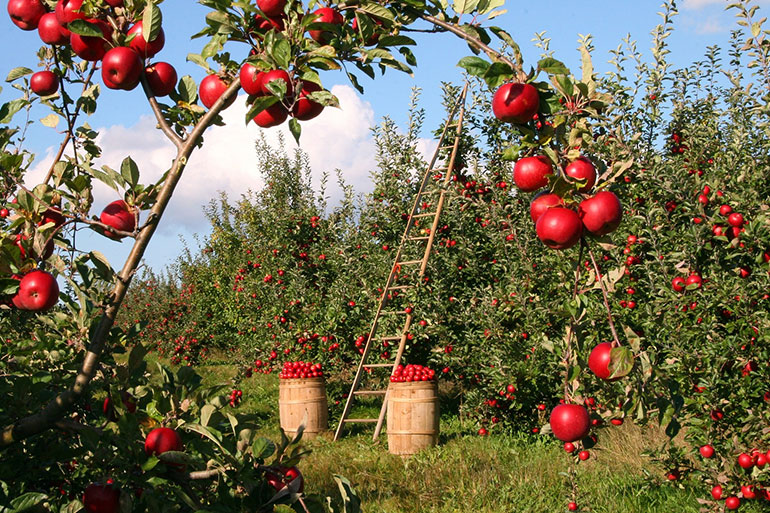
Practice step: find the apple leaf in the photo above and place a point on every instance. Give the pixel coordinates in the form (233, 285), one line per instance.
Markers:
(350, 500)
(102, 265)
(276, 87)
(262, 448)
(475, 66)
(552, 66)
(151, 21)
(378, 11)
(621, 362)
(295, 129)
(27, 501)
(8, 110)
(465, 6)
(497, 74)
(8, 286)
(50, 120)
(260, 104)
(188, 91)
(129, 171)
(281, 52)
(396, 41)
(16, 73)
(354, 80)
(85, 28)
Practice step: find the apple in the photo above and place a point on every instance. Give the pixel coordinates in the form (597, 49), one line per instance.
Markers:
(251, 79)
(44, 83)
(542, 202)
(374, 38)
(304, 108)
(735, 219)
(120, 216)
(161, 440)
(601, 214)
(211, 88)
(716, 492)
(263, 24)
(325, 15)
(271, 7)
(745, 461)
(732, 502)
(707, 451)
(272, 116)
(584, 455)
(582, 169)
(51, 31)
(92, 48)
(559, 228)
(101, 498)
(569, 447)
(38, 291)
(725, 210)
(26, 14)
(114, 3)
(282, 476)
(531, 173)
(52, 215)
(121, 68)
(678, 284)
(68, 11)
(515, 102)
(161, 77)
(748, 492)
(145, 49)
(569, 422)
(47, 251)
(572, 506)
(599, 361)
(272, 75)
(694, 279)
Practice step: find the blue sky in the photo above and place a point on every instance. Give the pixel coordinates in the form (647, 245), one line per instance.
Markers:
(338, 139)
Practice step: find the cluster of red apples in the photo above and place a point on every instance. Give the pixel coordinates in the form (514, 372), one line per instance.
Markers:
(123, 53)
(558, 224)
(301, 370)
(409, 373)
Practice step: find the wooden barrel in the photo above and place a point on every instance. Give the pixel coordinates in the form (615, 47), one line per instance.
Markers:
(413, 416)
(298, 396)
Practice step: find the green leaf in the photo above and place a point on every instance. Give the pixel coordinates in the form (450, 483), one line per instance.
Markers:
(396, 41)
(102, 265)
(464, 6)
(50, 120)
(129, 171)
(8, 110)
(281, 53)
(350, 500)
(188, 90)
(85, 28)
(497, 74)
(16, 73)
(260, 104)
(206, 413)
(263, 448)
(475, 66)
(552, 66)
(151, 21)
(295, 129)
(27, 501)
(378, 11)
(136, 357)
(621, 362)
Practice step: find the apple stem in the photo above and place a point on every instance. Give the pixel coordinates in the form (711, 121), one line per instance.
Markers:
(616, 340)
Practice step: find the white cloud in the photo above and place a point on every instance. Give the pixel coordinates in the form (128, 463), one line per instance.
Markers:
(711, 25)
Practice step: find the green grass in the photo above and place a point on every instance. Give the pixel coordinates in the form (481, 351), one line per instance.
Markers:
(467, 473)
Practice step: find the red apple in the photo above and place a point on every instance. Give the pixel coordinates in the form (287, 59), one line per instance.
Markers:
(542, 202)
(582, 169)
(305, 108)
(120, 216)
(44, 83)
(251, 79)
(325, 15)
(51, 31)
(275, 74)
(725, 210)
(52, 215)
(161, 440)
(92, 48)
(599, 361)
(161, 77)
(121, 68)
(272, 116)
(26, 14)
(139, 43)
(570, 422)
(38, 291)
(211, 88)
(601, 214)
(47, 251)
(531, 173)
(101, 498)
(515, 103)
(264, 24)
(678, 284)
(114, 3)
(559, 228)
(68, 11)
(707, 451)
(374, 38)
(745, 461)
(732, 502)
(282, 476)
(271, 7)
(694, 279)
(735, 219)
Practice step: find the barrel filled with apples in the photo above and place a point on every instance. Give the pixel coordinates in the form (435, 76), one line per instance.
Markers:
(302, 396)
(413, 410)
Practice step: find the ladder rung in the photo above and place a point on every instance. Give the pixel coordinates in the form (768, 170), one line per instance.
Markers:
(393, 313)
(397, 337)
(448, 147)
(426, 214)
(418, 238)
(369, 392)
(443, 168)
(360, 420)
(410, 262)
(377, 365)
(401, 287)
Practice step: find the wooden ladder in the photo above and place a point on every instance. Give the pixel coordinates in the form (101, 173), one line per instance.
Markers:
(452, 131)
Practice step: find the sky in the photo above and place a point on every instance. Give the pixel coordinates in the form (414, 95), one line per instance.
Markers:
(339, 138)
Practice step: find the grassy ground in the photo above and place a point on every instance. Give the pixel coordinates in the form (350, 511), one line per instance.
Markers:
(468, 473)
